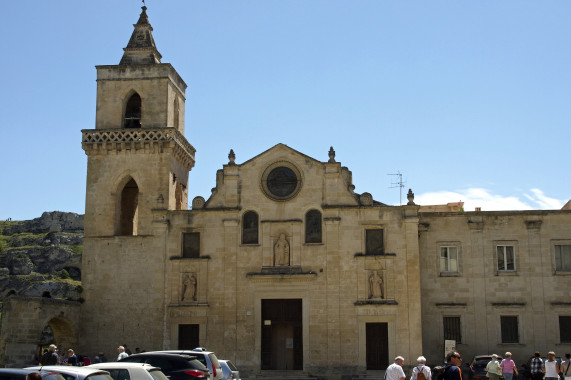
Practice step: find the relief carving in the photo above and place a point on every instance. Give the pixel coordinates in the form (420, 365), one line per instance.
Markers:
(281, 252)
(189, 284)
(376, 286)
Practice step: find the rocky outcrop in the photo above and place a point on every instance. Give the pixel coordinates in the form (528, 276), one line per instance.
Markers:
(42, 257)
(54, 221)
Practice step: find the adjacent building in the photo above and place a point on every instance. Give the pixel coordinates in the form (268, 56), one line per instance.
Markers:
(285, 266)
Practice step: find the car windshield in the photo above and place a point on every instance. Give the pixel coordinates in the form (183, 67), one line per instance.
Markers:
(157, 374)
(231, 365)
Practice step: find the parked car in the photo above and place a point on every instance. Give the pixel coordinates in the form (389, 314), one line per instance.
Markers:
(229, 370)
(176, 367)
(208, 358)
(128, 371)
(20, 374)
(477, 367)
(75, 373)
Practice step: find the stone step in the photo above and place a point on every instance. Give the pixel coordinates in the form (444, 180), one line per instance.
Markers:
(280, 375)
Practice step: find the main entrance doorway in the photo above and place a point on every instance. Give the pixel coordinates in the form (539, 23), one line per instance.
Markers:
(377, 346)
(282, 345)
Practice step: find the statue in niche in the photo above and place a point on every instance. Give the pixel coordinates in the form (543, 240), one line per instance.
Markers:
(376, 285)
(281, 251)
(189, 288)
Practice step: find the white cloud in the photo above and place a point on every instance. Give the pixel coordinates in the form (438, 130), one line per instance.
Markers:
(488, 201)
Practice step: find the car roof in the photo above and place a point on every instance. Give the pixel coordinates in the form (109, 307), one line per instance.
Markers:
(69, 369)
(122, 365)
(18, 370)
(195, 351)
(162, 353)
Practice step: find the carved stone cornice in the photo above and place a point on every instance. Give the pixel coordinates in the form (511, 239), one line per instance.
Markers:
(105, 141)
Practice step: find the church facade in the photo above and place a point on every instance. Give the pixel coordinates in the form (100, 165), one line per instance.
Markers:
(284, 266)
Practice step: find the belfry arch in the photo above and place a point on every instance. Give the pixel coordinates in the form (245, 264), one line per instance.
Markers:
(132, 114)
(129, 208)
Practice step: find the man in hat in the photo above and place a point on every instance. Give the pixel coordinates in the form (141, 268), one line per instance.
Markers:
(50, 357)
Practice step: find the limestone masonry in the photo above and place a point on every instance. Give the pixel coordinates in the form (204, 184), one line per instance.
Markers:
(284, 266)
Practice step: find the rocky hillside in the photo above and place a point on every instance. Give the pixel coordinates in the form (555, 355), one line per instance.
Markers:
(42, 257)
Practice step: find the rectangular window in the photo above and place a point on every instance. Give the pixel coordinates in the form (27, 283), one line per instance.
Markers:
(374, 242)
(452, 329)
(564, 329)
(563, 258)
(448, 259)
(510, 333)
(506, 258)
(191, 244)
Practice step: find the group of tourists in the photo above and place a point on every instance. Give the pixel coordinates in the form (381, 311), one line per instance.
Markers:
(549, 369)
(53, 356)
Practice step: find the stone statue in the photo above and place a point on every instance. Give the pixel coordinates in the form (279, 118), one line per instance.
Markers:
(189, 288)
(376, 285)
(281, 251)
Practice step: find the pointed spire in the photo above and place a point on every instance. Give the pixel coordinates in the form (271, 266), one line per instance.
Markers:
(141, 49)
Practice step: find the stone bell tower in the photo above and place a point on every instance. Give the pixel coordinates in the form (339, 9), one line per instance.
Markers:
(138, 157)
(138, 163)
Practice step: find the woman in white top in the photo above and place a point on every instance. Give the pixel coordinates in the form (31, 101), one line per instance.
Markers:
(551, 367)
(421, 368)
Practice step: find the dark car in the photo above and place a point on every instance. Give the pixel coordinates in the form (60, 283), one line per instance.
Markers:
(20, 374)
(477, 368)
(175, 367)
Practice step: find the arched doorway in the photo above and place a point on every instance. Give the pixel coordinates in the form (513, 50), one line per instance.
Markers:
(58, 331)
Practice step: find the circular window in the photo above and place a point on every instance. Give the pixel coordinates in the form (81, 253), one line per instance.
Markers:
(281, 181)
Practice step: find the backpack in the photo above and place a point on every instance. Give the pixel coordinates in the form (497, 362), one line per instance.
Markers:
(420, 375)
(438, 372)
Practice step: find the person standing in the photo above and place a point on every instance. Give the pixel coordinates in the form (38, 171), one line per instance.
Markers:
(395, 371)
(536, 367)
(421, 371)
(122, 353)
(565, 367)
(494, 369)
(452, 369)
(71, 358)
(50, 357)
(508, 367)
(551, 367)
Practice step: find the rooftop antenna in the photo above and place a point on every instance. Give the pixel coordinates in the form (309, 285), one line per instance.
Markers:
(399, 183)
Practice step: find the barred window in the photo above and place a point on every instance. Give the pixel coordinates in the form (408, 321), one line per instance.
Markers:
(452, 329)
(191, 244)
(374, 241)
(510, 331)
(564, 329)
(313, 227)
(250, 228)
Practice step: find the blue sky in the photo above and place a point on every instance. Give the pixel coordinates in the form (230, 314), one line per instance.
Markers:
(470, 101)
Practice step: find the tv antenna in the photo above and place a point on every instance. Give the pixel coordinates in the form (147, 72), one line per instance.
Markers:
(399, 183)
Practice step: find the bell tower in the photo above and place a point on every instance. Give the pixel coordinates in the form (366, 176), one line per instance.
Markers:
(138, 156)
(138, 162)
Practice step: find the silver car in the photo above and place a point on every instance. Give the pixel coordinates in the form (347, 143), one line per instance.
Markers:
(131, 371)
(229, 370)
(75, 373)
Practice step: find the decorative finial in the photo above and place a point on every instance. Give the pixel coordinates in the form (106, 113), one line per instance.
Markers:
(231, 157)
(331, 155)
(410, 197)
(160, 201)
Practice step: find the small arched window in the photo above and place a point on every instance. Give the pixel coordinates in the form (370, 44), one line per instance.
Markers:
(129, 209)
(313, 227)
(250, 228)
(132, 118)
